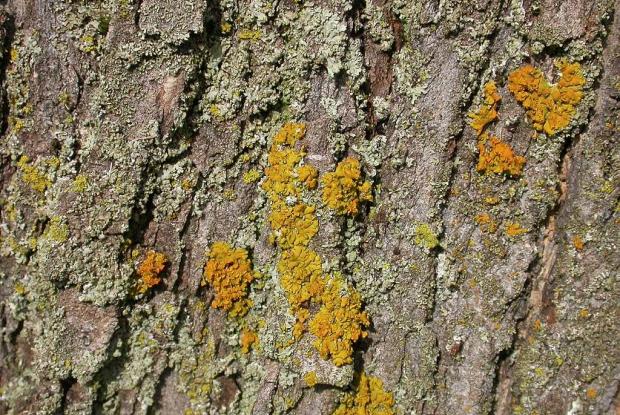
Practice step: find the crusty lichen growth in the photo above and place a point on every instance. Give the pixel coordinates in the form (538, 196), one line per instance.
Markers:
(344, 190)
(229, 271)
(32, 175)
(248, 339)
(150, 270)
(498, 157)
(340, 320)
(495, 156)
(550, 107)
(369, 398)
(487, 112)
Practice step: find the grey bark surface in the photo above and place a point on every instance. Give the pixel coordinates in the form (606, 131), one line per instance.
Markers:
(130, 126)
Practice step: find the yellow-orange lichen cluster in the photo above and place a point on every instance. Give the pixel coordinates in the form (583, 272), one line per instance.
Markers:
(344, 190)
(550, 107)
(369, 398)
(339, 321)
(150, 270)
(495, 156)
(229, 271)
(248, 339)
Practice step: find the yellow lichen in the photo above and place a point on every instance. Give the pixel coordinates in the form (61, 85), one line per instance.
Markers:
(80, 183)
(487, 112)
(344, 190)
(32, 176)
(498, 157)
(248, 339)
(57, 231)
(150, 270)
(550, 107)
(339, 322)
(293, 225)
(369, 398)
(310, 378)
(229, 272)
(252, 35)
(425, 237)
(251, 176)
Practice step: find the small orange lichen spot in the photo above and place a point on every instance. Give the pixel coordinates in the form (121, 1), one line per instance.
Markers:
(578, 242)
(488, 110)
(295, 225)
(150, 270)
(340, 321)
(344, 190)
(229, 272)
(584, 313)
(538, 325)
(549, 107)
(591, 393)
(486, 223)
(247, 340)
(498, 157)
(311, 379)
(514, 229)
(369, 398)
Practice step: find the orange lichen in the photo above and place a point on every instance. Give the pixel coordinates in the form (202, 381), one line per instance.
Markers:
(514, 229)
(578, 242)
(498, 157)
(344, 190)
(550, 107)
(369, 398)
(487, 112)
(486, 222)
(293, 226)
(150, 270)
(248, 339)
(229, 272)
(591, 393)
(339, 322)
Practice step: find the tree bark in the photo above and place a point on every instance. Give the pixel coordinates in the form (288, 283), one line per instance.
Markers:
(131, 127)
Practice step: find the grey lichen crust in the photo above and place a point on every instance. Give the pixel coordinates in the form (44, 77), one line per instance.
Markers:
(137, 126)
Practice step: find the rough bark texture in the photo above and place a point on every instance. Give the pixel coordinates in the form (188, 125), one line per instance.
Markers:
(137, 125)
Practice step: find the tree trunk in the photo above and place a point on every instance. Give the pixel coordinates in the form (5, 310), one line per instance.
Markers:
(137, 134)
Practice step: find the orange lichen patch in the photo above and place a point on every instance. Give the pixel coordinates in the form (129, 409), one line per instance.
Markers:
(487, 112)
(248, 339)
(284, 173)
(293, 226)
(290, 133)
(578, 242)
(498, 157)
(311, 379)
(344, 189)
(308, 176)
(514, 229)
(550, 107)
(150, 270)
(340, 321)
(300, 275)
(486, 223)
(229, 272)
(369, 398)
(591, 393)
